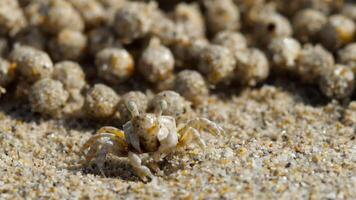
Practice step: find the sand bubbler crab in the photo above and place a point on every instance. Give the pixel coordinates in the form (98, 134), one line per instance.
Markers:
(152, 133)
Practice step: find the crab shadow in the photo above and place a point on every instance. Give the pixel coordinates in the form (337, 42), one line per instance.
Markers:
(119, 168)
(113, 168)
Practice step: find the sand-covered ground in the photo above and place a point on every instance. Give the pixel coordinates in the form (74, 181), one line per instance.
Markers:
(282, 141)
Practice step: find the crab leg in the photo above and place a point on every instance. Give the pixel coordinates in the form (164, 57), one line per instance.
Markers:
(99, 152)
(112, 130)
(101, 156)
(142, 171)
(91, 153)
(203, 124)
(109, 132)
(190, 134)
(107, 140)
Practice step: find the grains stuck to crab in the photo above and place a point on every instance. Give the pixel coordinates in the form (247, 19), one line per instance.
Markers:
(101, 102)
(115, 65)
(156, 62)
(338, 83)
(217, 63)
(192, 86)
(31, 63)
(48, 96)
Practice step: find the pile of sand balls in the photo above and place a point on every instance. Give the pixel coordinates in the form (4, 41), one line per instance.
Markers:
(74, 57)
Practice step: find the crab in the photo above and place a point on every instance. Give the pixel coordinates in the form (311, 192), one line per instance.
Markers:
(152, 133)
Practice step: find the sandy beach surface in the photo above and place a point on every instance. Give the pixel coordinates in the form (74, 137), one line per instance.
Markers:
(282, 141)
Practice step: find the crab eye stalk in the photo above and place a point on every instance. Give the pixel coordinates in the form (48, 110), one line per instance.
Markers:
(132, 107)
(162, 106)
